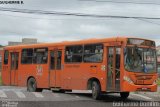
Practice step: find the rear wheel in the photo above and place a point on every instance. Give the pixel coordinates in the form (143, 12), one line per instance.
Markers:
(32, 86)
(124, 95)
(96, 90)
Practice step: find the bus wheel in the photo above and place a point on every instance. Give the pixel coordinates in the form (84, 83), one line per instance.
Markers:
(58, 91)
(124, 95)
(39, 89)
(96, 90)
(32, 85)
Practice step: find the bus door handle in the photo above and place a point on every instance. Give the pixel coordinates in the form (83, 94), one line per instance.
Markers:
(93, 66)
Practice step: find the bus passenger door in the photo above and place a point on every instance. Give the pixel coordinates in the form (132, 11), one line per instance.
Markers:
(6, 69)
(113, 69)
(55, 68)
(14, 68)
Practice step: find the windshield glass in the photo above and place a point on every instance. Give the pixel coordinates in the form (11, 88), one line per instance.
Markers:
(140, 59)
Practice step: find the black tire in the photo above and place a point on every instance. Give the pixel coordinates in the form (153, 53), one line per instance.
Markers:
(68, 90)
(124, 95)
(96, 90)
(39, 89)
(58, 91)
(32, 86)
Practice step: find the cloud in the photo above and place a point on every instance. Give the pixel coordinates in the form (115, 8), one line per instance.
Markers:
(47, 28)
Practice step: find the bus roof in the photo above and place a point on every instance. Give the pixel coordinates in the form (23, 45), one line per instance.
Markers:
(84, 41)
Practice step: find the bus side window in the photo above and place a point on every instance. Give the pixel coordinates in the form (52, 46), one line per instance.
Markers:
(40, 55)
(73, 53)
(93, 53)
(27, 56)
(6, 53)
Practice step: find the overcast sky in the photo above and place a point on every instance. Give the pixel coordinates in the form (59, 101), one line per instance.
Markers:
(47, 28)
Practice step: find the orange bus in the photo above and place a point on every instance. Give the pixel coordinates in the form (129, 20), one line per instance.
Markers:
(115, 65)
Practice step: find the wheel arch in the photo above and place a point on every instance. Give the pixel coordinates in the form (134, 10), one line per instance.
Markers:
(90, 80)
(29, 78)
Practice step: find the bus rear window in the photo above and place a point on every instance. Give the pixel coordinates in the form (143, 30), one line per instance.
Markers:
(6, 53)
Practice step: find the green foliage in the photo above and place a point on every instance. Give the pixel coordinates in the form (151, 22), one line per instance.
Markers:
(158, 81)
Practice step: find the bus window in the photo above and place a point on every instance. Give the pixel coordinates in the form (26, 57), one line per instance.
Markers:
(73, 53)
(118, 52)
(6, 53)
(52, 60)
(59, 55)
(27, 56)
(140, 59)
(13, 61)
(40, 55)
(16, 60)
(93, 53)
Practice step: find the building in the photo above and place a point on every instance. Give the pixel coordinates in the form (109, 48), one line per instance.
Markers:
(24, 41)
(11, 43)
(29, 41)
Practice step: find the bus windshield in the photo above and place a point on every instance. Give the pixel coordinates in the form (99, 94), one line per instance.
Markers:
(140, 59)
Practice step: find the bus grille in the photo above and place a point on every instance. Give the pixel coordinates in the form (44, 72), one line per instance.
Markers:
(143, 77)
(143, 80)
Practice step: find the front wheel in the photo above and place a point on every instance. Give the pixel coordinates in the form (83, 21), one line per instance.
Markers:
(124, 95)
(96, 90)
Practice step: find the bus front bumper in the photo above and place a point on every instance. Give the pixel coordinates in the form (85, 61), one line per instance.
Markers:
(132, 87)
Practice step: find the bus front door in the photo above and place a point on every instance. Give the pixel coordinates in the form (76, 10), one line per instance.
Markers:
(14, 68)
(55, 68)
(113, 69)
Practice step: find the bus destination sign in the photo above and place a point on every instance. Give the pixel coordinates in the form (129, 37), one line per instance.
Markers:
(132, 41)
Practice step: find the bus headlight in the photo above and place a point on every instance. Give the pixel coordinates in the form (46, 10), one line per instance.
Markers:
(128, 79)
